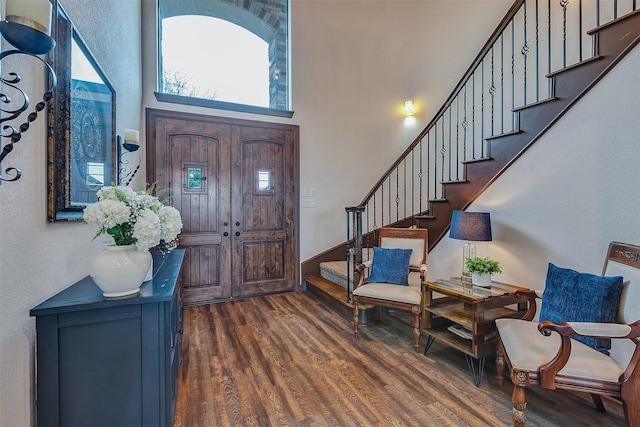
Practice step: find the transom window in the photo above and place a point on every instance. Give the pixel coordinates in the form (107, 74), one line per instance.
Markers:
(230, 53)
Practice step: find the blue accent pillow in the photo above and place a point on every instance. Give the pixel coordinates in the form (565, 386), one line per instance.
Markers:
(390, 266)
(570, 296)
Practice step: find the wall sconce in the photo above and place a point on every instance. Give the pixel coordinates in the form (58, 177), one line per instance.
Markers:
(409, 108)
(131, 144)
(27, 27)
(472, 227)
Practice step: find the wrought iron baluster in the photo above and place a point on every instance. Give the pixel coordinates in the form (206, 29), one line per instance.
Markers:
(525, 53)
(397, 193)
(389, 197)
(457, 138)
(420, 175)
(473, 116)
(465, 124)
(580, 30)
(492, 91)
(549, 87)
(564, 4)
(481, 108)
(537, 55)
(413, 184)
(428, 168)
(502, 112)
(513, 70)
(449, 166)
(443, 152)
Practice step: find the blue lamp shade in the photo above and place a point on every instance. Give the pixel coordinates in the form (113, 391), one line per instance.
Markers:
(471, 226)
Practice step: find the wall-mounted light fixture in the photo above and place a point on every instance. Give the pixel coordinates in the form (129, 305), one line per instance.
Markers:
(409, 108)
(26, 26)
(131, 144)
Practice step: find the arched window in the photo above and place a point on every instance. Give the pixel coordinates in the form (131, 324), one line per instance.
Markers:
(224, 54)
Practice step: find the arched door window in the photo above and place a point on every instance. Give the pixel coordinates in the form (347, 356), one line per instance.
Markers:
(232, 54)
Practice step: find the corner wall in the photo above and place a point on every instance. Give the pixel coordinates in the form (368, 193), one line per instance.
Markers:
(37, 258)
(572, 193)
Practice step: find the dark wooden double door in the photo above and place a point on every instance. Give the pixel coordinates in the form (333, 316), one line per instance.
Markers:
(233, 182)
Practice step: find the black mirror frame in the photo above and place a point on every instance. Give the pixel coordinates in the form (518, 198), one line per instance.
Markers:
(59, 125)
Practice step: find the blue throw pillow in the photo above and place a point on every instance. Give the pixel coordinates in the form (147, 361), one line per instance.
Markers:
(390, 266)
(570, 296)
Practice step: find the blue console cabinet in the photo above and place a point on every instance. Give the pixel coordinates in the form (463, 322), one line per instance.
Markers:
(111, 361)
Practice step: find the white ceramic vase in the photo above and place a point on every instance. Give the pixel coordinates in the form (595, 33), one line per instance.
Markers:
(119, 270)
(483, 280)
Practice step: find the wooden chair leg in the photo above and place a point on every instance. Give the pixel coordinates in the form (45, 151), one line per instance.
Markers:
(416, 331)
(631, 410)
(518, 399)
(597, 400)
(356, 319)
(500, 364)
(519, 406)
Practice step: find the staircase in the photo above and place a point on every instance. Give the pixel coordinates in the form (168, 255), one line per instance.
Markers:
(506, 100)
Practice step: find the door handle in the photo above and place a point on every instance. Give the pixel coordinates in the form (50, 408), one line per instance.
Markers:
(226, 224)
(237, 223)
(237, 233)
(225, 234)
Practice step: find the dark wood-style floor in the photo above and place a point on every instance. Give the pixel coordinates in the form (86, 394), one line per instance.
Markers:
(286, 360)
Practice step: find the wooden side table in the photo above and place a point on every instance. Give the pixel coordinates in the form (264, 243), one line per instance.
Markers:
(465, 317)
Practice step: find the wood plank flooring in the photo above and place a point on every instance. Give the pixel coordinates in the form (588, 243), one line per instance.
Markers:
(287, 360)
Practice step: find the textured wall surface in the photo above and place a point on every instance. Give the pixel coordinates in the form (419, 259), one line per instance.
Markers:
(38, 259)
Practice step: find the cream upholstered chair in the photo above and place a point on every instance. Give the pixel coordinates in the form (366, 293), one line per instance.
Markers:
(549, 355)
(400, 251)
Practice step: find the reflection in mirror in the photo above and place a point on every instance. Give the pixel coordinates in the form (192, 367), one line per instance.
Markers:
(82, 148)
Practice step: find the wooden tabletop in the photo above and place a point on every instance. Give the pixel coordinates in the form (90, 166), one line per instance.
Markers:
(456, 287)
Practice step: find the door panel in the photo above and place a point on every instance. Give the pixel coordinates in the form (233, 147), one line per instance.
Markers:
(196, 169)
(233, 182)
(263, 210)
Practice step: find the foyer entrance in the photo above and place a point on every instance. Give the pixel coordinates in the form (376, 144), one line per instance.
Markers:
(233, 182)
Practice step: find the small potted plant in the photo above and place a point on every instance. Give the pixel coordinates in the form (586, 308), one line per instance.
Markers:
(482, 269)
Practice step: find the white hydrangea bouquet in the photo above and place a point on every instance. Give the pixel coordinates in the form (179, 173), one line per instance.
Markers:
(132, 217)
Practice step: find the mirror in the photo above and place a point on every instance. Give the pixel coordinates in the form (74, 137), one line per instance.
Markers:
(82, 149)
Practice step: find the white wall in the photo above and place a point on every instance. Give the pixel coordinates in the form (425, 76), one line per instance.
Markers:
(354, 63)
(570, 194)
(38, 259)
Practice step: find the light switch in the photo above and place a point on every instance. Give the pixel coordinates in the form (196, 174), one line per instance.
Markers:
(312, 192)
(303, 192)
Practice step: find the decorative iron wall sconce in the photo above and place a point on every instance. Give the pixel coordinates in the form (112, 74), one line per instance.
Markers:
(131, 144)
(26, 27)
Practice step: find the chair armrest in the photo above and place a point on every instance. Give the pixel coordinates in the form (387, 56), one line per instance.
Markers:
(360, 270)
(600, 330)
(566, 329)
(531, 295)
(367, 264)
(423, 271)
(590, 329)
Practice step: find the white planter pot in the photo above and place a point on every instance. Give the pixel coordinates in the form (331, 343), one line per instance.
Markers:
(119, 270)
(483, 280)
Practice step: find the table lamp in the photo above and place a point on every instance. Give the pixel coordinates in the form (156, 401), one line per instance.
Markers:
(472, 227)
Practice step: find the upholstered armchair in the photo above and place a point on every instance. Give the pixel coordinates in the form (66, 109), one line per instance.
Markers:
(573, 353)
(400, 252)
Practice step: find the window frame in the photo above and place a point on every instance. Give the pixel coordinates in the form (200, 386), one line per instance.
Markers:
(245, 17)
